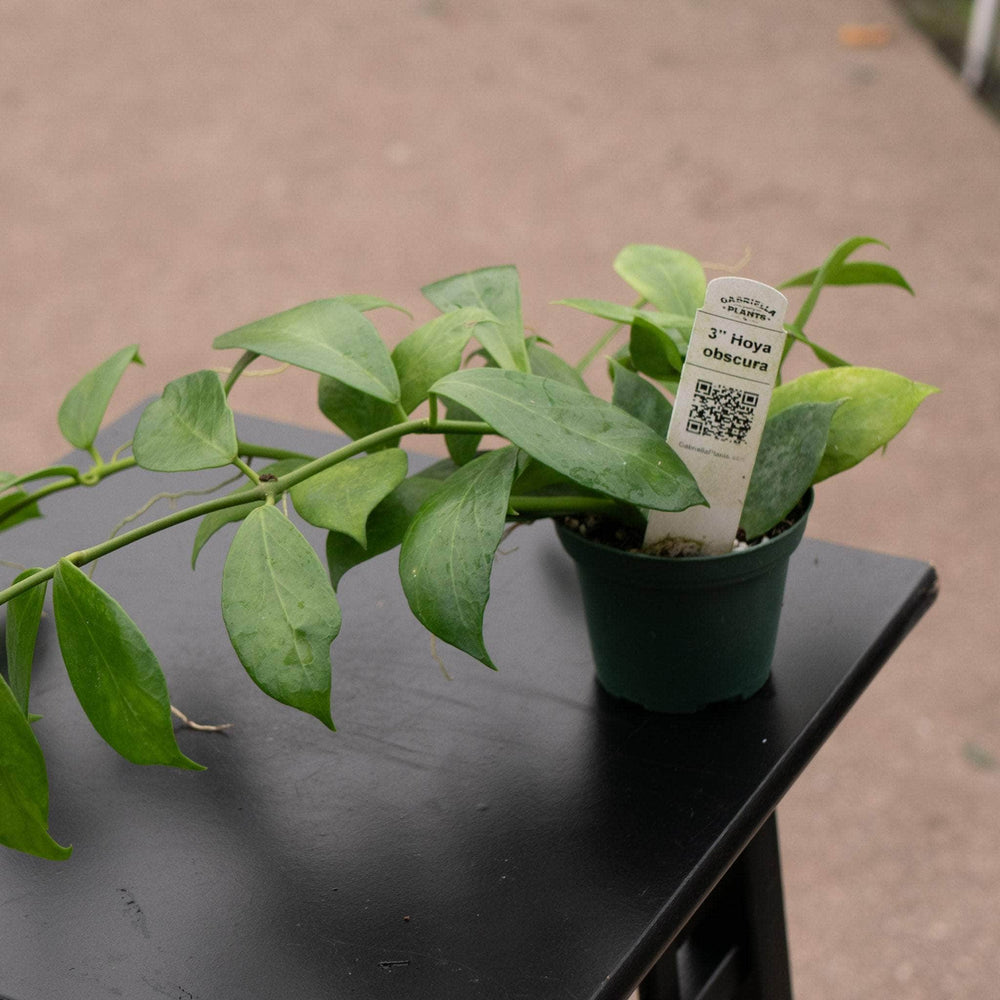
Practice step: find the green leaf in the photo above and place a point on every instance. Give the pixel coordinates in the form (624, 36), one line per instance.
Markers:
(447, 552)
(498, 291)
(386, 526)
(828, 358)
(877, 405)
(114, 673)
(633, 394)
(440, 470)
(356, 413)
(9, 501)
(623, 357)
(836, 272)
(8, 480)
(24, 615)
(830, 267)
(216, 521)
(281, 612)
(612, 311)
(24, 785)
(791, 448)
(626, 315)
(365, 303)
(83, 409)
(535, 480)
(672, 281)
(432, 351)
(211, 523)
(328, 336)
(654, 351)
(858, 272)
(593, 442)
(658, 340)
(462, 448)
(341, 498)
(548, 364)
(190, 427)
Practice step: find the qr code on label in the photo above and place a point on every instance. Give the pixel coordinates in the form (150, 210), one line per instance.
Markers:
(722, 412)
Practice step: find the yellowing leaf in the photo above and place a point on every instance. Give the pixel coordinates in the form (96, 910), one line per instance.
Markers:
(876, 406)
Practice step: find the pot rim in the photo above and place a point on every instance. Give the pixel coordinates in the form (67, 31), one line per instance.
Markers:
(666, 571)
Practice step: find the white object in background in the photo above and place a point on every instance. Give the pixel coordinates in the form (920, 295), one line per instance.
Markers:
(979, 42)
(719, 412)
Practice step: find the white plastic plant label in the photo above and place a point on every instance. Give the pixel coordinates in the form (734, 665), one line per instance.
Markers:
(719, 412)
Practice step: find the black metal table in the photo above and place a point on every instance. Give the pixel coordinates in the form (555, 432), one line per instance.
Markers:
(508, 835)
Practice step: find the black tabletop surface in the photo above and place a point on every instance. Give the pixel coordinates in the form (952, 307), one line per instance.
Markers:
(493, 835)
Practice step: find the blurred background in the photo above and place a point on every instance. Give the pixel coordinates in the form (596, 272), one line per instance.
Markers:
(171, 170)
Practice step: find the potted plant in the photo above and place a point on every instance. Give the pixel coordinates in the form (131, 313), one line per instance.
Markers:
(469, 373)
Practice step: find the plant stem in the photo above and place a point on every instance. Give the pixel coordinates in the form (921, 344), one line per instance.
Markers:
(49, 473)
(89, 478)
(249, 450)
(246, 470)
(246, 358)
(94, 475)
(452, 427)
(374, 440)
(263, 491)
(84, 556)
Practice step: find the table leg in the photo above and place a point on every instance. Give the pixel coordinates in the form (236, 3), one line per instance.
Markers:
(662, 982)
(735, 946)
(767, 937)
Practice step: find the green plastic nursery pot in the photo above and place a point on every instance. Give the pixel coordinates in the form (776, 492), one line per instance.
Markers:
(678, 634)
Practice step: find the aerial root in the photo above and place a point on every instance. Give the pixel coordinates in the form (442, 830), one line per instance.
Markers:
(197, 726)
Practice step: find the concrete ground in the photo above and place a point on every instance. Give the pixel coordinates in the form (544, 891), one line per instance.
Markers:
(170, 170)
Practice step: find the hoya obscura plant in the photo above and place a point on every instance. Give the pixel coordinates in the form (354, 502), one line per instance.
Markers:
(468, 373)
